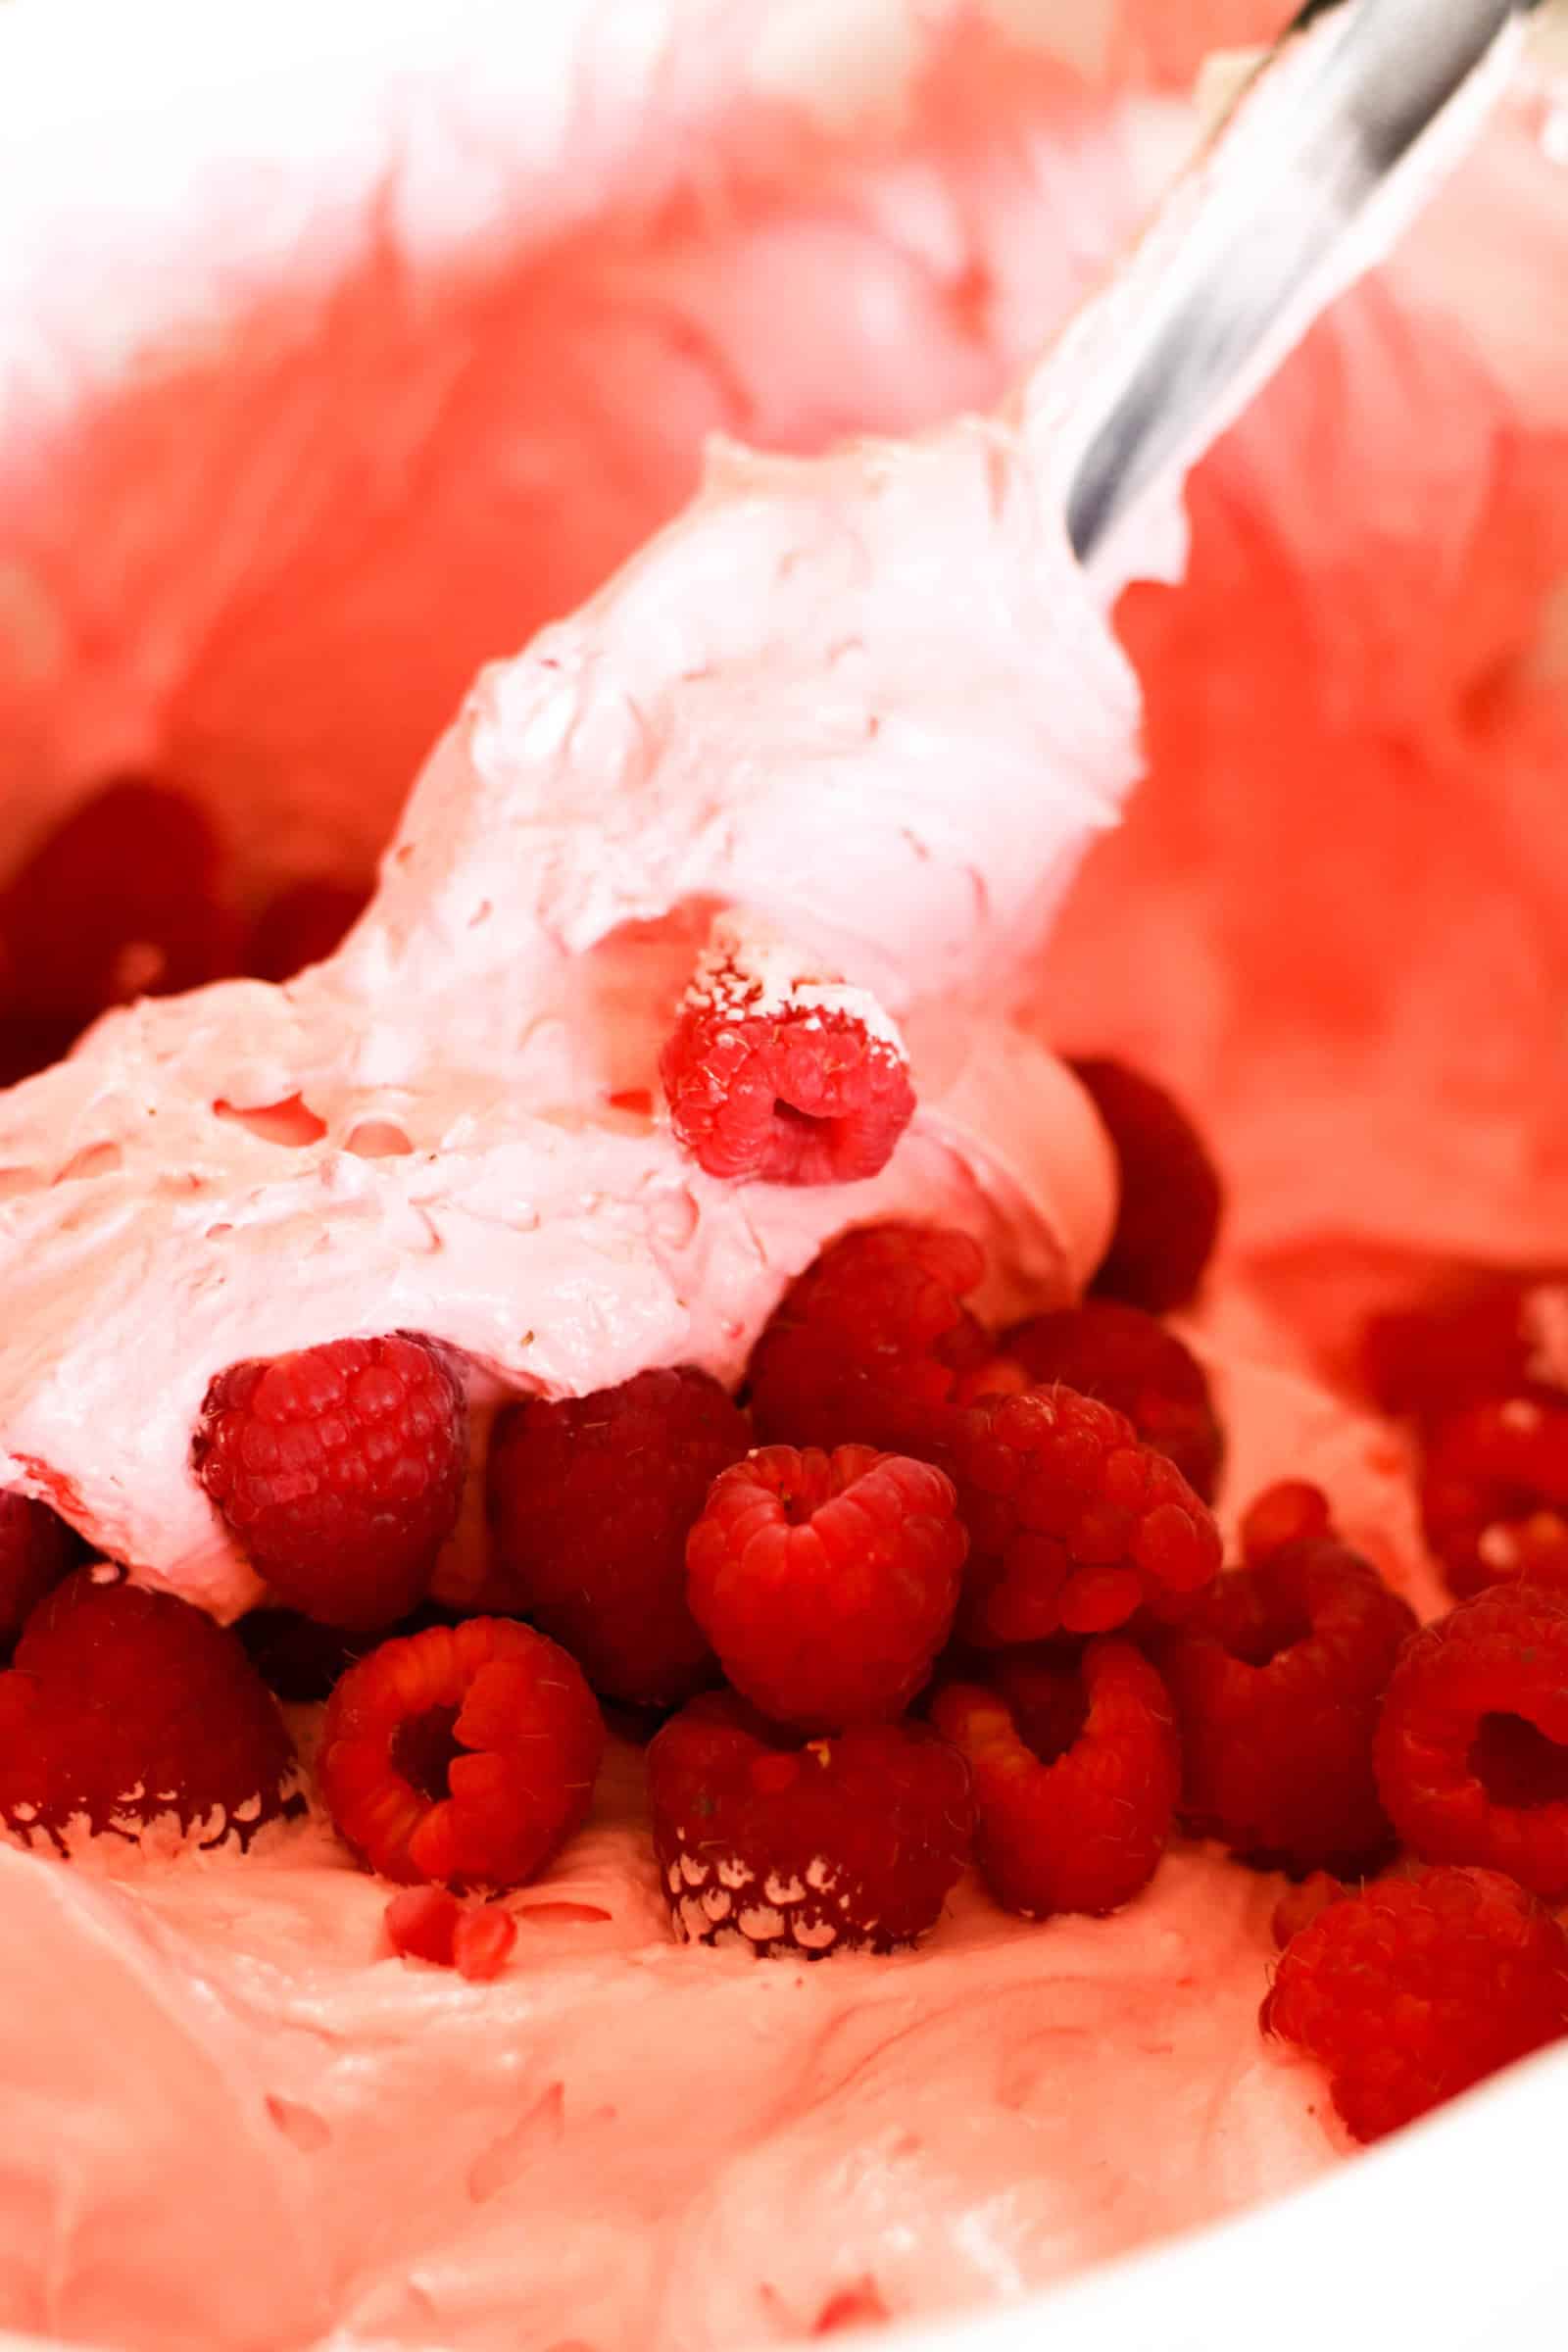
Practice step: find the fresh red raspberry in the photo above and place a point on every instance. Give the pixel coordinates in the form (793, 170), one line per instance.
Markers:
(591, 1501)
(1073, 1525)
(855, 1839)
(1278, 1674)
(465, 1755)
(1118, 1353)
(1494, 1494)
(782, 1080)
(867, 1345)
(1171, 1196)
(303, 924)
(1070, 1816)
(37, 1550)
(340, 1470)
(1301, 1904)
(827, 1582)
(125, 1705)
(1479, 1335)
(1290, 1511)
(1472, 1748)
(428, 1923)
(1419, 1988)
(121, 900)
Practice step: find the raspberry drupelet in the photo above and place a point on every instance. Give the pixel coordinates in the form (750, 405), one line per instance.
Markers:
(868, 1346)
(1417, 1989)
(1472, 1746)
(827, 1582)
(1494, 1494)
(428, 1923)
(777, 1073)
(126, 1707)
(1278, 1673)
(1076, 1774)
(1171, 1196)
(465, 1755)
(590, 1501)
(340, 1470)
(806, 1849)
(1124, 1357)
(1073, 1525)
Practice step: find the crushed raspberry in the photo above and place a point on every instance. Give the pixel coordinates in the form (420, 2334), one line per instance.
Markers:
(37, 1550)
(1073, 1525)
(857, 2305)
(1472, 1750)
(866, 1348)
(422, 1923)
(1301, 1904)
(827, 1582)
(1494, 1494)
(851, 1840)
(121, 900)
(781, 1077)
(1415, 1989)
(1479, 1335)
(1125, 1359)
(1276, 1674)
(590, 1501)
(1292, 1511)
(340, 1470)
(1171, 1196)
(465, 1755)
(303, 925)
(482, 1943)
(428, 1923)
(125, 1706)
(1076, 1775)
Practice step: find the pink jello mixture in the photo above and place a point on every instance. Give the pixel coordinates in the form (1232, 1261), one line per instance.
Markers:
(384, 434)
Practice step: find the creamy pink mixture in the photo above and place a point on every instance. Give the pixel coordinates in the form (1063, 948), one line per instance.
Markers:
(270, 559)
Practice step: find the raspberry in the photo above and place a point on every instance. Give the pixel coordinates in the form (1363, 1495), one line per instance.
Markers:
(1290, 1511)
(1124, 1357)
(1073, 1524)
(303, 925)
(121, 900)
(827, 1582)
(1419, 1988)
(1076, 1775)
(1494, 1494)
(37, 1550)
(1480, 1335)
(428, 1923)
(776, 1076)
(1276, 1674)
(857, 2305)
(591, 1501)
(125, 1705)
(1171, 1196)
(1472, 1750)
(855, 1839)
(465, 1755)
(867, 1345)
(340, 1470)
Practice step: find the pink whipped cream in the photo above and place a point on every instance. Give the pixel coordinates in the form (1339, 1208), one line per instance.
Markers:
(297, 2140)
